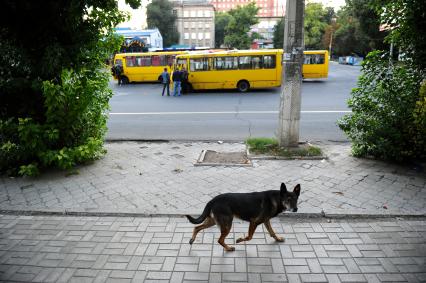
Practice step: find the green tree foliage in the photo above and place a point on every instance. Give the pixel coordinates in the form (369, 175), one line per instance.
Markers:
(221, 21)
(406, 22)
(160, 15)
(358, 29)
(388, 115)
(315, 25)
(347, 37)
(278, 39)
(54, 84)
(389, 105)
(317, 20)
(237, 30)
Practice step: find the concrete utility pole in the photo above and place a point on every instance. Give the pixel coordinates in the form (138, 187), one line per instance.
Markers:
(291, 82)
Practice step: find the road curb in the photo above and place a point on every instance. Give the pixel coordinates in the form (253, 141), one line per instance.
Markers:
(178, 215)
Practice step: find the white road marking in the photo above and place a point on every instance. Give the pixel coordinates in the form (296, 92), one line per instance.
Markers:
(225, 112)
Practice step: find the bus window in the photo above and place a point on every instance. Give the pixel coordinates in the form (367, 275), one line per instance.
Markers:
(144, 61)
(130, 61)
(225, 63)
(162, 60)
(269, 61)
(244, 62)
(256, 62)
(199, 64)
(310, 59)
(156, 60)
(181, 62)
(170, 59)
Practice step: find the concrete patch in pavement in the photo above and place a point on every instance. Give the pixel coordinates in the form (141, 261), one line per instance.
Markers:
(214, 158)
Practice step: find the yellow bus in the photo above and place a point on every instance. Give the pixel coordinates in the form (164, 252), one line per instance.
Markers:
(315, 64)
(244, 69)
(146, 66)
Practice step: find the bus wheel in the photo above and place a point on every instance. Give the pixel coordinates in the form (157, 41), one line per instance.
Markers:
(124, 80)
(243, 86)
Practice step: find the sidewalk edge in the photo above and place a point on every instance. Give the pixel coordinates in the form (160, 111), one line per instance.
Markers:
(140, 214)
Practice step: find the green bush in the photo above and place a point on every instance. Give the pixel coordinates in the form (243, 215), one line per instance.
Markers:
(72, 131)
(54, 82)
(388, 117)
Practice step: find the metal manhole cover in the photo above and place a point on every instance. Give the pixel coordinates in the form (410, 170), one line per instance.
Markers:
(213, 158)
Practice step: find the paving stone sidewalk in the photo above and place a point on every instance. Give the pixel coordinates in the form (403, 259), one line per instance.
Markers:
(159, 178)
(145, 249)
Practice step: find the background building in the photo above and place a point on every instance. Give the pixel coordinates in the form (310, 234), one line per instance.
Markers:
(195, 23)
(268, 8)
(270, 12)
(140, 40)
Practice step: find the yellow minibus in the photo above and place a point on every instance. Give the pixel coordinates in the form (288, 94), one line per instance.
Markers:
(315, 64)
(145, 66)
(241, 69)
(244, 69)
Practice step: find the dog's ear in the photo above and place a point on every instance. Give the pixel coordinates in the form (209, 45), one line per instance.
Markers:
(283, 189)
(297, 190)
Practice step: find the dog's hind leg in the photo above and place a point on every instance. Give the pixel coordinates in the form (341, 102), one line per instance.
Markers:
(251, 230)
(272, 232)
(209, 222)
(224, 231)
(225, 224)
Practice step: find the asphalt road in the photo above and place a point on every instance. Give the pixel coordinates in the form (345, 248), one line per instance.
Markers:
(138, 111)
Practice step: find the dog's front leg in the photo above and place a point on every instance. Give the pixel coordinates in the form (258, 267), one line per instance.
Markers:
(271, 231)
(251, 230)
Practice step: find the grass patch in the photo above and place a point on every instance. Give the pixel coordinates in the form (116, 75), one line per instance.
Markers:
(269, 146)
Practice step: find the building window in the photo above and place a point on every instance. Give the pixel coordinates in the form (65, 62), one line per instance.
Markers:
(193, 35)
(185, 24)
(185, 14)
(207, 35)
(207, 13)
(200, 13)
(207, 25)
(186, 35)
(193, 24)
(200, 35)
(193, 13)
(200, 25)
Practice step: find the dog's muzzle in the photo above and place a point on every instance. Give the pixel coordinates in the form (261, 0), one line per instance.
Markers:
(295, 209)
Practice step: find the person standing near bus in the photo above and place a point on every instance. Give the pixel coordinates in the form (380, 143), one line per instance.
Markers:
(117, 71)
(177, 79)
(184, 83)
(165, 77)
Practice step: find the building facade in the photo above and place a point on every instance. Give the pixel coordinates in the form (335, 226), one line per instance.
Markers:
(270, 12)
(195, 23)
(140, 40)
(268, 8)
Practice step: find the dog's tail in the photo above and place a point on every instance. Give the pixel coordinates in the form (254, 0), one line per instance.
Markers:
(202, 217)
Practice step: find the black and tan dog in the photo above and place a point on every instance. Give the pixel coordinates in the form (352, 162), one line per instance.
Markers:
(257, 208)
